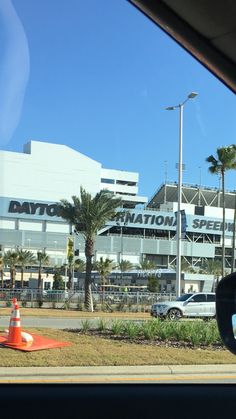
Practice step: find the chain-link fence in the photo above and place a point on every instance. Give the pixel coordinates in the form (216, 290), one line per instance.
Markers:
(77, 297)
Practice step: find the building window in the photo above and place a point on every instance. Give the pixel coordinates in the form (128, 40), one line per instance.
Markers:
(199, 210)
(126, 182)
(103, 180)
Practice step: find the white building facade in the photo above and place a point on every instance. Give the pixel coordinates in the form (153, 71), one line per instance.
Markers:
(34, 181)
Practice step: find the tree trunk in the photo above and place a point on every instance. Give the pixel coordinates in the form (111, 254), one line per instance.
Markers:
(103, 289)
(13, 274)
(22, 277)
(223, 227)
(70, 260)
(69, 283)
(40, 277)
(2, 281)
(88, 300)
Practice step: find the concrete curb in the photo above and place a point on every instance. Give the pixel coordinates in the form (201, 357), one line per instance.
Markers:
(118, 370)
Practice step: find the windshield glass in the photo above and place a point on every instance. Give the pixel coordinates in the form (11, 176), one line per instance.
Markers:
(116, 193)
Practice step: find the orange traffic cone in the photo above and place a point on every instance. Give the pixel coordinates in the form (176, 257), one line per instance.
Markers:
(16, 339)
(14, 301)
(14, 335)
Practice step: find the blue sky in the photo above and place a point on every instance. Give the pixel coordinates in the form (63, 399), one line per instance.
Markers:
(97, 75)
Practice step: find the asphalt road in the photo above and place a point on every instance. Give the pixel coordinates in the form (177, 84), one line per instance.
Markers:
(57, 322)
(50, 322)
(191, 374)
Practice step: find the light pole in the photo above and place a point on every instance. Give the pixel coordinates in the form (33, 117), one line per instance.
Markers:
(66, 267)
(40, 256)
(55, 254)
(191, 95)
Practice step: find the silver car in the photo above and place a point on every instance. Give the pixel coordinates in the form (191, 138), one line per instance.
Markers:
(199, 304)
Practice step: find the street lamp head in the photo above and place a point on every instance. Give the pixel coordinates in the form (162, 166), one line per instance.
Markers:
(170, 108)
(192, 95)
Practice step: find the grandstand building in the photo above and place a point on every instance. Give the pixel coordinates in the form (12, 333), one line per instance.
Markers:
(34, 181)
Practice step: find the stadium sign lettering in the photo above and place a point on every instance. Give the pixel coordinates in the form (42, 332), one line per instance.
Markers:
(33, 208)
(149, 219)
(212, 225)
(128, 218)
(170, 221)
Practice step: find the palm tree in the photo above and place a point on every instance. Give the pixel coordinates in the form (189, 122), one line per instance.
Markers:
(43, 259)
(225, 160)
(10, 258)
(88, 215)
(146, 265)
(58, 283)
(104, 268)
(212, 266)
(186, 266)
(25, 258)
(125, 265)
(80, 265)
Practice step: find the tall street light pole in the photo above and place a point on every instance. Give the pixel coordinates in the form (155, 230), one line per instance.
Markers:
(191, 95)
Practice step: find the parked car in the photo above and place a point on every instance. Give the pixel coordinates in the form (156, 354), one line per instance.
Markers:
(200, 305)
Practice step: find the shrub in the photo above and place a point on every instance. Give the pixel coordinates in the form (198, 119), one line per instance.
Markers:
(117, 327)
(194, 332)
(80, 306)
(102, 325)
(120, 306)
(129, 306)
(66, 305)
(148, 331)
(131, 329)
(85, 325)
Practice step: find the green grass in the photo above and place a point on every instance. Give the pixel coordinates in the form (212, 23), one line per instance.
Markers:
(91, 350)
(46, 312)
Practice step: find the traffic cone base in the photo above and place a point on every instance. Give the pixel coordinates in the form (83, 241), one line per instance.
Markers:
(16, 339)
(26, 337)
(38, 343)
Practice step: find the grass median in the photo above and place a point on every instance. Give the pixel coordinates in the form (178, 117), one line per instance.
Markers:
(104, 347)
(45, 312)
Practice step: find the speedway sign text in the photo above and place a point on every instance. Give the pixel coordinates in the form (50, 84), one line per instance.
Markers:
(34, 210)
(168, 221)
